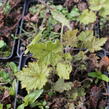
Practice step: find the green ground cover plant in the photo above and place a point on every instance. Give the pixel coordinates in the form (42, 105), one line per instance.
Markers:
(66, 69)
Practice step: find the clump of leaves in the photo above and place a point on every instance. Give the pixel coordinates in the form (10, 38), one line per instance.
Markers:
(72, 15)
(90, 42)
(85, 39)
(102, 6)
(47, 53)
(87, 17)
(50, 55)
(76, 93)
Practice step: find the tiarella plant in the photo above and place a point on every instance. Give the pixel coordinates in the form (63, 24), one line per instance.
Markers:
(55, 57)
(47, 54)
(51, 58)
(67, 43)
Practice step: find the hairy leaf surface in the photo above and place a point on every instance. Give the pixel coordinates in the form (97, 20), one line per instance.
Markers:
(100, 5)
(33, 77)
(96, 5)
(70, 38)
(63, 70)
(48, 52)
(61, 86)
(90, 42)
(87, 17)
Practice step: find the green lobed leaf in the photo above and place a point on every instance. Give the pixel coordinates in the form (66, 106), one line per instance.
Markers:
(96, 5)
(86, 35)
(34, 76)
(70, 38)
(104, 12)
(87, 17)
(60, 18)
(90, 42)
(63, 70)
(48, 52)
(98, 42)
(95, 44)
(100, 5)
(61, 86)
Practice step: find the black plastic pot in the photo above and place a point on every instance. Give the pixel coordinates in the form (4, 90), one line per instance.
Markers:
(17, 55)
